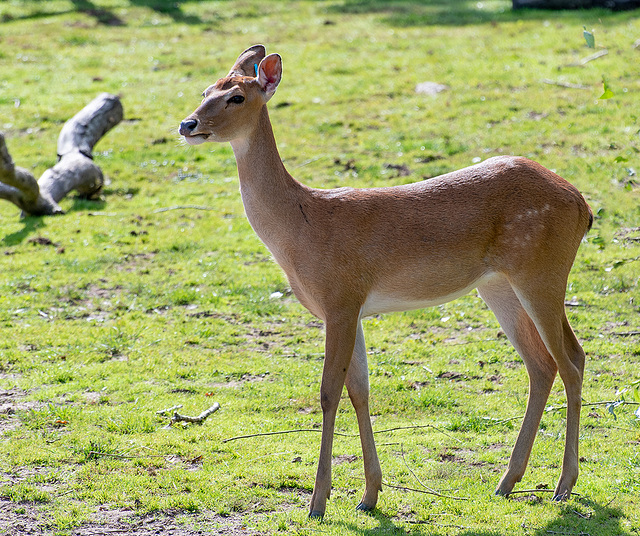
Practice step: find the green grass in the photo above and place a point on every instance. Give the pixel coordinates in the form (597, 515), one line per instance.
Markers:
(135, 309)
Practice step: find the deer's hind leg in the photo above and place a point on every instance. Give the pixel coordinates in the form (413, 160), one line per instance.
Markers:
(521, 331)
(544, 303)
(357, 383)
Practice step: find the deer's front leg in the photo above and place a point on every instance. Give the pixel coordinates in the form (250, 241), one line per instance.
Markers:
(340, 341)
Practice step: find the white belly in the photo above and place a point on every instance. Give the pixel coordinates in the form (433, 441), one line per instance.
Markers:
(379, 301)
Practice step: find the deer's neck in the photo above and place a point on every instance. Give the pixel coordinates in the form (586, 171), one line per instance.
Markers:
(271, 196)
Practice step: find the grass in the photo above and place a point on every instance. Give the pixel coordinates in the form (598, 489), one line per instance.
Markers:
(135, 308)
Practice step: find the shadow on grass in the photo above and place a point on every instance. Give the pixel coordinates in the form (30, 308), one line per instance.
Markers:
(393, 12)
(106, 17)
(170, 8)
(465, 12)
(601, 520)
(31, 225)
(82, 204)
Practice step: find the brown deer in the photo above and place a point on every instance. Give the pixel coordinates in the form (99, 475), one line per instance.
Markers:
(508, 227)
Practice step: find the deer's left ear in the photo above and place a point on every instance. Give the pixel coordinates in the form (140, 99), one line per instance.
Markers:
(269, 74)
(246, 63)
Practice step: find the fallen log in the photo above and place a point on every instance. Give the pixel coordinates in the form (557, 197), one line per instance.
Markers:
(75, 169)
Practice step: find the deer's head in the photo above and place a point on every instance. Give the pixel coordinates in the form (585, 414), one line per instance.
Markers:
(230, 107)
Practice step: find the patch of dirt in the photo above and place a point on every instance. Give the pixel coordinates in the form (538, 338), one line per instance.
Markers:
(41, 241)
(451, 376)
(18, 519)
(628, 234)
(10, 402)
(344, 458)
(235, 383)
(171, 523)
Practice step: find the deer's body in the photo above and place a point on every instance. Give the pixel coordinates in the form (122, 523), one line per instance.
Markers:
(508, 227)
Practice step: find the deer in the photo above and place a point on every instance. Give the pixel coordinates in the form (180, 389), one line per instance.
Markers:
(507, 226)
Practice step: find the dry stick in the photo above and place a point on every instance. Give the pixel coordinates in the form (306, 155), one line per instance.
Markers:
(585, 405)
(426, 492)
(427, 488)
(590, 404)
(565, 84)
(302, 430)
(282, 432)
(172, 408)
(177, 417)
(417, 426)
(542, 490)
(625, 333)
(125, 456)
(586, 60)
(181, 207)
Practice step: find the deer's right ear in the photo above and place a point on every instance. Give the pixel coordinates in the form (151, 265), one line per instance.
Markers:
(269, 74)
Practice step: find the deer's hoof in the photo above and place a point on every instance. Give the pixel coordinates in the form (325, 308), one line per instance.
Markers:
(316, 514)
(364, 507)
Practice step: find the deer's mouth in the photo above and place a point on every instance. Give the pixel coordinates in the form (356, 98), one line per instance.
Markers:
(196, 139)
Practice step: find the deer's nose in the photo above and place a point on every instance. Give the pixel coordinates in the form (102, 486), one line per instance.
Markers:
(187, 126)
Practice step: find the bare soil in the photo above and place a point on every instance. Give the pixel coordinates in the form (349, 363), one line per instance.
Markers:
(28, 518)
(18, 519)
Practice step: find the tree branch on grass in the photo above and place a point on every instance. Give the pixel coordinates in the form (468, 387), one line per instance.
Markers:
(185, 418)
(75, 169)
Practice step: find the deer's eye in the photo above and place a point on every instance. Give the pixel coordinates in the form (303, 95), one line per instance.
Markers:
(236, 99)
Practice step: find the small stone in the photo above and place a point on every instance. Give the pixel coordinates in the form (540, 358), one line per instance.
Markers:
(430, 88)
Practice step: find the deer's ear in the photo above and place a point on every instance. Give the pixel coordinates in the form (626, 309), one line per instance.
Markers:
(269, 74)
(246, 63)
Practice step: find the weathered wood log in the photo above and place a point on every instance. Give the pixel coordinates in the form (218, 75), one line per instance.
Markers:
(75, 169)
(616, 5)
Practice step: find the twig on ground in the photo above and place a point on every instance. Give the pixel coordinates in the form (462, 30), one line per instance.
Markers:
(425, 491)
(565, 84)
(441, 525)
(303, 430)
(625, 333)
(98, 453)
(584, 405)
(427, 488)
(541, 490)
(591, 404)
(282, 432)
(167, 410)
(523, 491)
(417, 426)
(586, 60)
(181, 207)
(199, 419)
